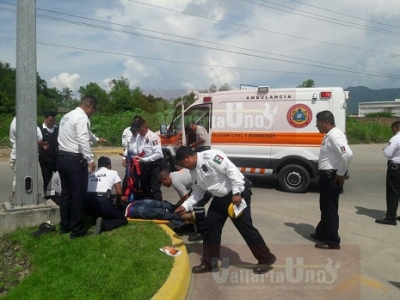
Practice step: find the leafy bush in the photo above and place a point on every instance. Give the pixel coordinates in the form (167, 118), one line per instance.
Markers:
(381, 114)
(359, 132)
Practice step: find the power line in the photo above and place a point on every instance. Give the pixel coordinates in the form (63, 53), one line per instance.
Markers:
(347, 15)
(356, 71)
(332, 20)
(262, 29)
(181, 62)
(322, 64)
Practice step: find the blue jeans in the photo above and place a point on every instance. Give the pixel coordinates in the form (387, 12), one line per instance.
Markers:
(153, 209)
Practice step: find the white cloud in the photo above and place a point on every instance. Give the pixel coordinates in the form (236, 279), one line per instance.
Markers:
(64, 80)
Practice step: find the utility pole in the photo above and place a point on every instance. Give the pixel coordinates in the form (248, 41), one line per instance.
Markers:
(26, 195)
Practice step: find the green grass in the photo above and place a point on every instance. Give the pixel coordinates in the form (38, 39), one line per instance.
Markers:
(121, 264)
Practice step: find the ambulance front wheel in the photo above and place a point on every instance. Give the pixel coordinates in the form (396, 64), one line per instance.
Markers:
(294, 179)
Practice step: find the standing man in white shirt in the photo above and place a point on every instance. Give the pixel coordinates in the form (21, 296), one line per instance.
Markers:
(74, 163)
(213, 171)
(203, 141)
(150, 158)
(334, 159)
(392, 153)
(13, 154)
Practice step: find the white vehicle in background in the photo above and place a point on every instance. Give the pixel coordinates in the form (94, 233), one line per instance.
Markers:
(263, 131)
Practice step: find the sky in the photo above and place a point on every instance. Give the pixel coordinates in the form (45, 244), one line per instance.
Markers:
(171, 47)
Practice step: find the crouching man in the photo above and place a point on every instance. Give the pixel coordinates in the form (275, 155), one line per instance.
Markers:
(99, 203)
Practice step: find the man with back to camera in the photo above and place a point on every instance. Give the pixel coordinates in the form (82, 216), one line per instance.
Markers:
(203, 141)
(74, 164)
(213, 171)
(392, 153)
(334, 159)
(48, 153)
(98, 203)
(181, 181)
(150, 158)
(127, 133)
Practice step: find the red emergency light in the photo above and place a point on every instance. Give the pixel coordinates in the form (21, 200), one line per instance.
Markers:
(326, 95)
(207, 99)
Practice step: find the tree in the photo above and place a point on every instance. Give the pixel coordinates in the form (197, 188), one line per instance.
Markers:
(307, 84)
(213, 88)
(120, 95)
(67, 93)
(93, 89)
(225, 87)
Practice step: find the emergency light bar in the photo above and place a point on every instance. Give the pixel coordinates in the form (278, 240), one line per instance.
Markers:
(326, 95)
(263, 89)
(207, 99)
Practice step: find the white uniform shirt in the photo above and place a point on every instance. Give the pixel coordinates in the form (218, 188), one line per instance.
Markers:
(102, 180)
(150, 144)
(182, 181)
(335, 153)
(201, 133)
(131, 147)
(392, 150)
(126, 136)
(215, 173)
(48, 129)
(13, 137)
(74, 133)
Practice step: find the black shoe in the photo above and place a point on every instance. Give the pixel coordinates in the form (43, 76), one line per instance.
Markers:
(327, 246)
(398, 218)
(99, 226)
(314, 236)
(194, 237)
(74, 235)
(204, 268)
(264, 267)
(386, 221)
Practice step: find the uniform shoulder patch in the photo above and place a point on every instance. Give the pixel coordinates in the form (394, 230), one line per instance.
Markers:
(218, 159)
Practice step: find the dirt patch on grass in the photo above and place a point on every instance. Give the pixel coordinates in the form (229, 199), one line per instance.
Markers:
(14, 265)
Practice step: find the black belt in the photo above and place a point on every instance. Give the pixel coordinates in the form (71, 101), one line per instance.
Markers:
(153, 163)
(98, 194)
(66, 153)
(393, 166)
(327, 173)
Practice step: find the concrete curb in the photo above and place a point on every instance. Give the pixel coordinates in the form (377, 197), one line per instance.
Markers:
(177, 284)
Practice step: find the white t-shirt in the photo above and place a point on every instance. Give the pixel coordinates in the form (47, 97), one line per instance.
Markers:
(102, 180)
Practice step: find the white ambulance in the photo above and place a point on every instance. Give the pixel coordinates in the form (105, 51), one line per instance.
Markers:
(263, 131)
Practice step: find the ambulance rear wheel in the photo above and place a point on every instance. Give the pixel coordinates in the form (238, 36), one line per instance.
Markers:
(294, 179)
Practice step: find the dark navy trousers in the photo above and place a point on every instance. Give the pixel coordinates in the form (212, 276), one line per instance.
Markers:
(74, 175)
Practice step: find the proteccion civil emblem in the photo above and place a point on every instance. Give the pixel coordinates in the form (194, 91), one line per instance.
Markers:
(299, 115)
